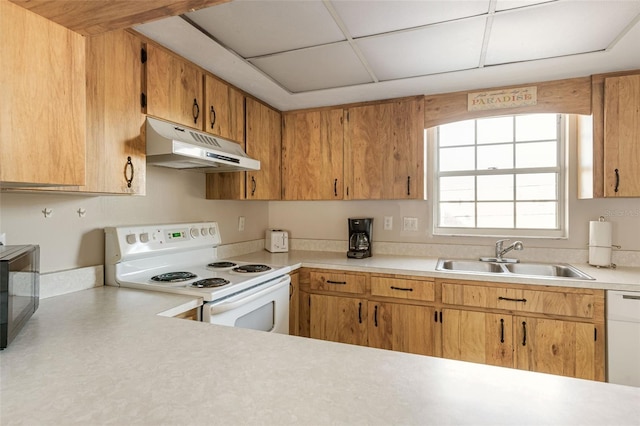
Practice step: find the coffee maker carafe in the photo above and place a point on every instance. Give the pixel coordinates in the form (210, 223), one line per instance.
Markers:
(360, 238)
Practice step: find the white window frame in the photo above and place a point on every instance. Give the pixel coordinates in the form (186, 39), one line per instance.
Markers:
(562, 169)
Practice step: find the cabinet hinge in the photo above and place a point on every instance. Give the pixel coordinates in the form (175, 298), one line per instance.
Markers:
(143, 55)
(143, 100)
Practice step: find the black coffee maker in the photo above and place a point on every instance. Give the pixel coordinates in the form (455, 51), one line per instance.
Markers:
(360, 238)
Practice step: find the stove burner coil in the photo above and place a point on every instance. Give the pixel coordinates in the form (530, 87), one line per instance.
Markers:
(174, 277)
(210, 282)
(253, 268)
(222, 265)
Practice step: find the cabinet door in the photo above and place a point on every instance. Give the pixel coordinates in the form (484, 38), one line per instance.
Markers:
(116, 150)
(174, 88)
(42, 106)
(312, 155)
(622, 136)
(385, 145)
(556, 347)
(405, 328)
(224, 107)
(338, 319)
(477, 337)
(263, 143)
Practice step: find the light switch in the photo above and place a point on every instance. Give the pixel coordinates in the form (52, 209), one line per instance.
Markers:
(410, 224)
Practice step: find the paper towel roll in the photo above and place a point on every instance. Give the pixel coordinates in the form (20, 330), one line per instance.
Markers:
(599, 234)
(600, 256)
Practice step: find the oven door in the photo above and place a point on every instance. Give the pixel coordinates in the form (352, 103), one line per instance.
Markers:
(265, 309)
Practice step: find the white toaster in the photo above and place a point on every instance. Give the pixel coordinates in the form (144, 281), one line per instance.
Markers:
(276, 240)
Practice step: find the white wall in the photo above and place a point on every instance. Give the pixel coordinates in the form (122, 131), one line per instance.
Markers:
(68, 241)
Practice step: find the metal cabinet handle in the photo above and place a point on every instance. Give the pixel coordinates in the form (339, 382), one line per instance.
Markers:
(336, 282)
(128, 177)
(290, 290)
(501, 330)
(360, 312)
(253, 185)
(512, 300)
(617, 180)
(335, 187)
(212, 112)
(196, 110)
(408, 185)
(524, 333)
(401, 288)
(375, 315)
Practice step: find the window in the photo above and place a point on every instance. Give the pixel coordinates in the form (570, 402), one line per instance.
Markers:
(500, 176)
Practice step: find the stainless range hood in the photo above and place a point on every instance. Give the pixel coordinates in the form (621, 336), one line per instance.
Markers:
(179, 147)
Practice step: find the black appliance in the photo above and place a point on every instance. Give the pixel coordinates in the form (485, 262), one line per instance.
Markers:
(19, 288)
(360, 238)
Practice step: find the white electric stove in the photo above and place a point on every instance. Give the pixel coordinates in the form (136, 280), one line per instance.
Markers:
(182, 258)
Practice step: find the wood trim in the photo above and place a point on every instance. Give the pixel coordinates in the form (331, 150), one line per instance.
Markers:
(92, 17)
(559, 96)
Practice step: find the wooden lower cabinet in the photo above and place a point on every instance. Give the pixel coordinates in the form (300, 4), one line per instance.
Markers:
(564, 348)
(338, 319)
(477, 337)
(404, 328)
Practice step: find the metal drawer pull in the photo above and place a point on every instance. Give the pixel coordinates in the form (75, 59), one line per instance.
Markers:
(626, 296)
(375, 316)
(512, 300)
(524, 331)
(360, 312)
(401, 288)
(501, 330)
(336, 282)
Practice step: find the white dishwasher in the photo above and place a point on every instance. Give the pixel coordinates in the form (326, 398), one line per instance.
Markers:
(623, 337)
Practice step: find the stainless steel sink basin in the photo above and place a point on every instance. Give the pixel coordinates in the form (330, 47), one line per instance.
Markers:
(547, 270)
(468, 266)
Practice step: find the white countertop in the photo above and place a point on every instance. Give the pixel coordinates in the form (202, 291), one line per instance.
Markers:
(622, 278)
(104, 356)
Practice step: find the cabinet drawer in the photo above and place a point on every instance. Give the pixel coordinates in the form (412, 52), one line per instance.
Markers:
(403, 289)
(336, 281)
(538, 301)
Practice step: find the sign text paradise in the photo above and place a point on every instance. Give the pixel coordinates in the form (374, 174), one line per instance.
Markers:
(504, 98)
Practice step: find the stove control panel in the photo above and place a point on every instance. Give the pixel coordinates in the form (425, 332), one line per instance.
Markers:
(128, 242)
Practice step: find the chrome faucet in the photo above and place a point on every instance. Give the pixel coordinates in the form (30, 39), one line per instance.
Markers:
(501, 251)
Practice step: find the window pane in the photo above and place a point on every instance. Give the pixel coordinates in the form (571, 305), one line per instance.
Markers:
(454, 159)
(495, 188)
(493, 130)
(458, 188)
(495, 215)
(536, 154)
(495, 157)
(536, 127)
(536, 215)
(457, 215)
(537, 186)
(460, 133)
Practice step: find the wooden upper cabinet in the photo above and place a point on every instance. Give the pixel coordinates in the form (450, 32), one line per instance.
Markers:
(385, 151)
(622, 136)
(116, 149)
(224, 110)
(174, 88)
(43, 107)
(263, 142)
(312, 155)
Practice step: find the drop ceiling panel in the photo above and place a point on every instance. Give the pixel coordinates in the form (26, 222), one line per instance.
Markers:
(557, 29)
(322, 67)
(450, 46)
(363, 18)
(253, 28)
(513, 4)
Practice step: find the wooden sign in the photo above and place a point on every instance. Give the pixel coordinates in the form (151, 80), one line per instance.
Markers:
(503, 98)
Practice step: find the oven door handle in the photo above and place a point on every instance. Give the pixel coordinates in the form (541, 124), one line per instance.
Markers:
(227, 305)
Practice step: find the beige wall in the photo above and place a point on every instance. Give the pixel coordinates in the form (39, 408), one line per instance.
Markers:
(68, 241)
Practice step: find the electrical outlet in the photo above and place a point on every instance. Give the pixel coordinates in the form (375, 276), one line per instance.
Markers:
(241, 223)
(388, 223)
(3, 239)
(410, 224)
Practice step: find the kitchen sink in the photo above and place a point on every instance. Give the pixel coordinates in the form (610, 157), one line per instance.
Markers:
(547, 270)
